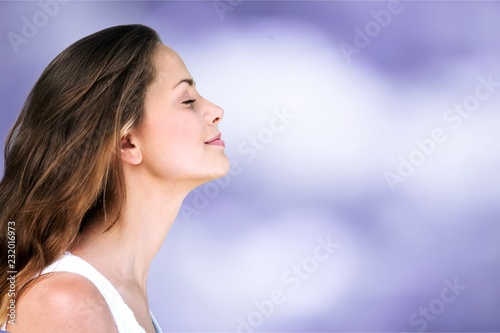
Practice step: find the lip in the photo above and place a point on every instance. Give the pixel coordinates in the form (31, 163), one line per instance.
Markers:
(216, 141)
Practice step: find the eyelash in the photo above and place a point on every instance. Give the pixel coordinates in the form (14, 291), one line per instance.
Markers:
(189, 102)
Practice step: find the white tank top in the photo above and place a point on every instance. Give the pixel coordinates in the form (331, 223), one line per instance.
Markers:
(124, 317)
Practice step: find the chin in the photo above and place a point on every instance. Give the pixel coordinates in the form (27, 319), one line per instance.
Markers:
(221, 170)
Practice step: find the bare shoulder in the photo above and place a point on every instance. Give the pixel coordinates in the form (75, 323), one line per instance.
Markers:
(62, 302)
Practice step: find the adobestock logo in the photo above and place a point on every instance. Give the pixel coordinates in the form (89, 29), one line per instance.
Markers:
(436, 307)
(201, 196)
(30, 26)
(372, 28)
(293, 278)
(256, 143)
(225, 6)
(455, 117)
(250, 148)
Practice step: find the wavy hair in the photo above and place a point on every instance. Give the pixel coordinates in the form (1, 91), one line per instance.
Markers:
(62, 163)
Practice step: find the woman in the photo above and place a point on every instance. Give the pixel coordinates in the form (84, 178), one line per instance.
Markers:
(111, 139)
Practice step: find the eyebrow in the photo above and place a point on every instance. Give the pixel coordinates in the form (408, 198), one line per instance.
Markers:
(190, 82)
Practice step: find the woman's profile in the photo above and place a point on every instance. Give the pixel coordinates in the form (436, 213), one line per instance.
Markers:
(109, 142)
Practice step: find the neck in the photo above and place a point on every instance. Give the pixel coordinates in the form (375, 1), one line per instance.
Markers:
(124, 253)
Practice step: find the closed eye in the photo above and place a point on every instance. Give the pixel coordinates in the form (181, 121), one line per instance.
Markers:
(189, 102)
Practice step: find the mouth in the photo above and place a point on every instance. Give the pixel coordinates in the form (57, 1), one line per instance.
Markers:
(216, 141)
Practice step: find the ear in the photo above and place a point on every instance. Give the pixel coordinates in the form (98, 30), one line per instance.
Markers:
(129, 149)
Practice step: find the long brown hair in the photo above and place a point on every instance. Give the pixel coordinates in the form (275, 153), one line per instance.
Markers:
(62, 167)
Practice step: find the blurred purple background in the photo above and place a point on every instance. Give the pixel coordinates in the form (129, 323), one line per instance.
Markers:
(332, 109)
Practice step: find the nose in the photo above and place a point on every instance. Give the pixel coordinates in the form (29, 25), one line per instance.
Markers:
(215, 113)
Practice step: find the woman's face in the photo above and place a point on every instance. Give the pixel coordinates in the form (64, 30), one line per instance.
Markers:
(178, 137)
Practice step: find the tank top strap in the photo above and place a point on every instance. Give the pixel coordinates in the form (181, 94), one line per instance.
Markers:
(124, 317)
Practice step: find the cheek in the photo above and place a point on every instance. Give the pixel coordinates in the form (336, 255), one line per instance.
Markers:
(184, 133)
(174, 142)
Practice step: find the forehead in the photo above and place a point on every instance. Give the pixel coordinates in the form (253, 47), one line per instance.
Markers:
(169, 65)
